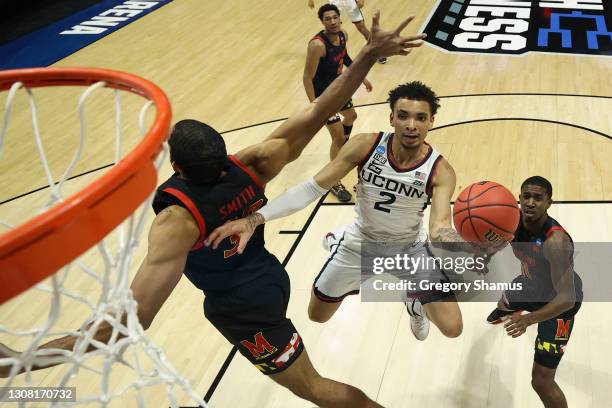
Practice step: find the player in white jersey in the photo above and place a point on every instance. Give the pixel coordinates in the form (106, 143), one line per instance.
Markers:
(399, 174)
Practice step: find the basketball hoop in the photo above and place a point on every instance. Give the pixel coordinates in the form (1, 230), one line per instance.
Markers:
(37, 249)
(56, 243)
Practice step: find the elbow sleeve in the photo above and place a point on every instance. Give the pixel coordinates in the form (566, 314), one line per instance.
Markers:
(293, 200)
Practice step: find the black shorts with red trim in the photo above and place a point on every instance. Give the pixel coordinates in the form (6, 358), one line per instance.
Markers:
(253, 318)
(553, 336)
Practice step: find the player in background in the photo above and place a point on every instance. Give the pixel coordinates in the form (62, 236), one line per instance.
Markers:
(325, 59)
(352, 9)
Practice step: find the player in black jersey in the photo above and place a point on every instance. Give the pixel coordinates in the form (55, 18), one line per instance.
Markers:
(551, 289)
(352, 10)
(246, 295)
(326, 57)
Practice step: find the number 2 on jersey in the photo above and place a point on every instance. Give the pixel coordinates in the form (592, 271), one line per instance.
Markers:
(390, 200)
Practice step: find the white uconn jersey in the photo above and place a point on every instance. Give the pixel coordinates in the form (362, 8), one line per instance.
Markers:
(391, 200)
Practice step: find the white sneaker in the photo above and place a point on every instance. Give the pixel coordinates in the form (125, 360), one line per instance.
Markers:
(419, 323)
(332, 239)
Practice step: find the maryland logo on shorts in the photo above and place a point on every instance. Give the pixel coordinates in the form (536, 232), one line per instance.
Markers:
(522, 26)
(261, 349)
(563, 329)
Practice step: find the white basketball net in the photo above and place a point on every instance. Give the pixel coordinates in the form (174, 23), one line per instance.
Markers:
(129, 347)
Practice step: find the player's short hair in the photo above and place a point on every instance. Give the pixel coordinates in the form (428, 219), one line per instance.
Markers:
(538, 181)
(327, 7)
(415, 91)
(198, 150)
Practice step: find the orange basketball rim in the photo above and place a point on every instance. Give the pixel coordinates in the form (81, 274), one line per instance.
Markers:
(41, 246)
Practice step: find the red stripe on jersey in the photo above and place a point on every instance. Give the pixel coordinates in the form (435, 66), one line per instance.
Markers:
(194, 212)
(553, 229)
(247, 171)
(317, 37)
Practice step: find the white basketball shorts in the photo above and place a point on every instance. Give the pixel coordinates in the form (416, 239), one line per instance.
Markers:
(348, 8)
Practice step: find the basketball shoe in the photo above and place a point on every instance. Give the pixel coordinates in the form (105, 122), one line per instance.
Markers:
(333, 238)
(419, 323)
(341, 193)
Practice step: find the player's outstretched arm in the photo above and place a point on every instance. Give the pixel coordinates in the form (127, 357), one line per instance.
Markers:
(298, 197)
(440, 221)
(441, 231)
(171, 236)
(286, 143)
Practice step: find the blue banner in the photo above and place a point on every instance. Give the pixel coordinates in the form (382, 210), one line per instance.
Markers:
(58, 40)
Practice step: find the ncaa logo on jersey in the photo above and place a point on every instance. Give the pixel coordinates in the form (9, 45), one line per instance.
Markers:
(380, 149)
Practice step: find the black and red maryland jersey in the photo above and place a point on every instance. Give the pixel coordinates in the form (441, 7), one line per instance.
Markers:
(236, 194)
(330, 65)
(529, 249)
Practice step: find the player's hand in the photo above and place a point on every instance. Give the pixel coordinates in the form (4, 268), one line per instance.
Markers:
(492, 250)
(311, 4)
(489, 251)
(6, 352)
(517, 324)
(387, 43)
(368, 85)
(359, 3)
(243, 228)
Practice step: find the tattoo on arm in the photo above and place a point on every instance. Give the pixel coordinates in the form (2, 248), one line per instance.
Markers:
(254, 220)
(450, 239)
(448, 235)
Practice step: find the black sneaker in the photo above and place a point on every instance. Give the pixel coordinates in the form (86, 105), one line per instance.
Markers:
(498, 315)
(341, 193)
(382, 60)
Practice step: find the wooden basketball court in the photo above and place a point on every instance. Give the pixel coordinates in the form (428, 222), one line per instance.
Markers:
(238, 67)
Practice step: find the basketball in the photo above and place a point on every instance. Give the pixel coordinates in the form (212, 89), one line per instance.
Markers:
(486, 213)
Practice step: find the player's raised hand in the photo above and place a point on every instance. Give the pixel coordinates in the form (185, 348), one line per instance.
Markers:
(242, 228)
(387, 43)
